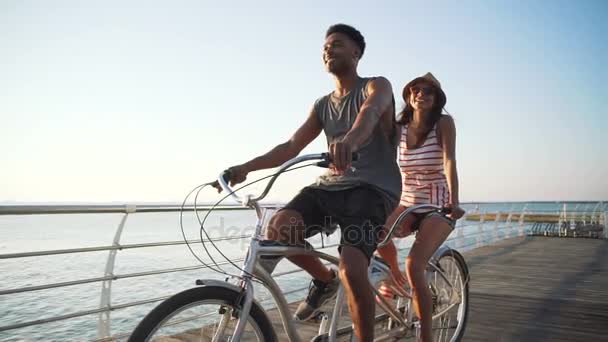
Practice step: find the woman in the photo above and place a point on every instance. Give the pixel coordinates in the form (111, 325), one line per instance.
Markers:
(428, 169)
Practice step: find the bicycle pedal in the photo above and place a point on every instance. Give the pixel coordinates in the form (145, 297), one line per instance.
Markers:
(318, 317)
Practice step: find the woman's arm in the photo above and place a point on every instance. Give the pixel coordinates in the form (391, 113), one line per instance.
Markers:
(447, 135)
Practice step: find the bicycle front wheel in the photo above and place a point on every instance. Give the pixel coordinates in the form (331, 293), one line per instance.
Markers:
(450, 291)
(207, 313)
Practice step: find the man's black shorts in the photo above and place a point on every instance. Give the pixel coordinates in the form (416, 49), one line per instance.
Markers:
(361, 212)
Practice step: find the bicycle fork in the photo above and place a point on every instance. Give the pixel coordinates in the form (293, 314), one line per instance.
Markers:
(246, 297)
(242, 307)
(245, 307)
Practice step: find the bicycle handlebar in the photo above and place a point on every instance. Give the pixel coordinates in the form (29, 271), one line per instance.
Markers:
(324, 158)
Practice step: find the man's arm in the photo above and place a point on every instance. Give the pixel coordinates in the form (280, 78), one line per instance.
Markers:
(281, 153)
(380, 99)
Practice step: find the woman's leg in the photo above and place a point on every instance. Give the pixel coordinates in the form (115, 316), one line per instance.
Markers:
(433, 232)
(389, 252)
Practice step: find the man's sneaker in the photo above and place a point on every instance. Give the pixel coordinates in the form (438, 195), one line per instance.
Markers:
(319, 293)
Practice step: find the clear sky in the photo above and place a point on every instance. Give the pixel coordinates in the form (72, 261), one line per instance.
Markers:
(143, 100)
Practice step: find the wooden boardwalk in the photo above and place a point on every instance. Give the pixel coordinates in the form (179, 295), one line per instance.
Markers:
(525, 289)
(531, 289)
(539, 289)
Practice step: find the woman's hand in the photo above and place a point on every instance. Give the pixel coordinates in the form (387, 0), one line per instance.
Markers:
(456, 211)
(398, 276)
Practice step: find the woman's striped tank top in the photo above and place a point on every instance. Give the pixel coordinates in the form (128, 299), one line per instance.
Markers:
(422, 171)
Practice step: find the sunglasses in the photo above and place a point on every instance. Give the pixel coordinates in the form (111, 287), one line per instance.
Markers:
(425, 90)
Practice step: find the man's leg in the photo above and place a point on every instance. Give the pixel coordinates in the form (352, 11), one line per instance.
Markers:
(362, 217)
(288, 226)
(301, 218)
(353, 273)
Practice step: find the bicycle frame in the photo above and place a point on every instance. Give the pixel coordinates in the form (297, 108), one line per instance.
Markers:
(377, 271)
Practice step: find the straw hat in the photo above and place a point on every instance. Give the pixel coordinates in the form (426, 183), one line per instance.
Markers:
(428, 77)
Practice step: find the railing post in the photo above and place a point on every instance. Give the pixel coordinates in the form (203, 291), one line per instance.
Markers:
(605, 223)
(600, 212)
(482, 218)
(521, 220)
(563, 219)
(104, 321)
(496, 225)
(573, 217)
(459, 235)
(595, 214)
(587, 214)
(509, 222)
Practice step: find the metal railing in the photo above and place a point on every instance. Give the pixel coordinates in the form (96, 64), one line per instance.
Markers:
(468, 235)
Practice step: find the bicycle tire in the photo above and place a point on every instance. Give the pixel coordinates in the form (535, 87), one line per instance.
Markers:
(464, 271)
(177, 302)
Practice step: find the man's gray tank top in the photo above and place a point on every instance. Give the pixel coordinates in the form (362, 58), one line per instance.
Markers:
(377, 163)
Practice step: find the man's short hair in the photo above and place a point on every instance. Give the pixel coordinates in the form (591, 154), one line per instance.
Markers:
(350, 32)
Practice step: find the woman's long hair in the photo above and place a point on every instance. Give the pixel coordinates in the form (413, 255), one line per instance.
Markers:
(407, 114)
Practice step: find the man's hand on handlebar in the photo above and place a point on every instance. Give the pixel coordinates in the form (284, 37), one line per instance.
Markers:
(238, 174)
(339, 158)
(340, 154)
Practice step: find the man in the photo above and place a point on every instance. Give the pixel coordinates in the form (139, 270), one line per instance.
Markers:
(358, 116)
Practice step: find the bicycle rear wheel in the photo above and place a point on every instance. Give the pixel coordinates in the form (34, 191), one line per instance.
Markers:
(202, 314)
(450, 290)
